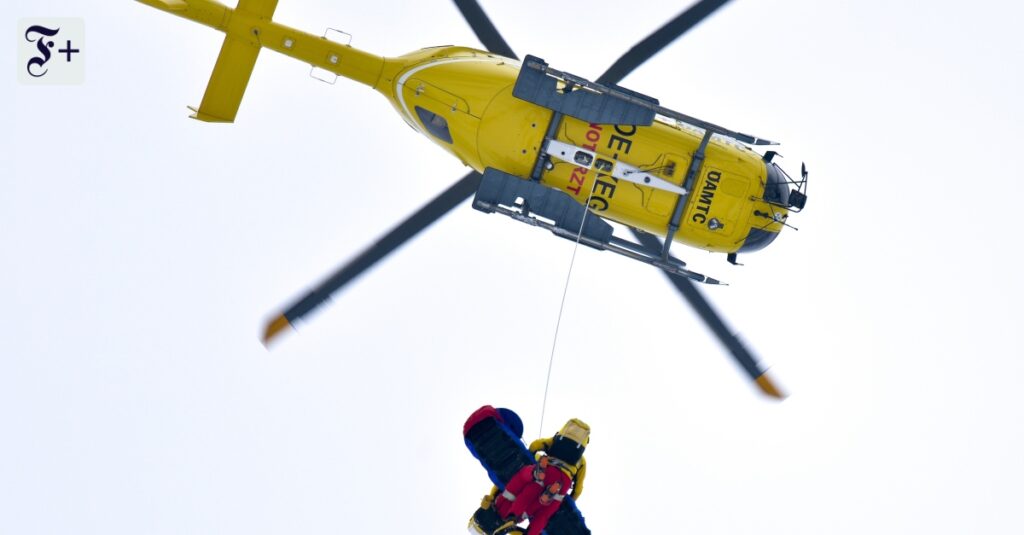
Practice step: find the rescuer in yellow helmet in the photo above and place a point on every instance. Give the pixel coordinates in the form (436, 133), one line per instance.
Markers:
(565, 450)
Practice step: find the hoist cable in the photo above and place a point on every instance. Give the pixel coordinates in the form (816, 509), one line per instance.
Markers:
(561, 308)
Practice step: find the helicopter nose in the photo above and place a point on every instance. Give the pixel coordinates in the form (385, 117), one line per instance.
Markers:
(757, 239)
(777, 196)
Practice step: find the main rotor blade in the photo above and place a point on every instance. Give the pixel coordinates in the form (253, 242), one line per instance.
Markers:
(714, 322)
(484, 28)
(420, 220)
(442, 204)
(629, 61)
(658, 40)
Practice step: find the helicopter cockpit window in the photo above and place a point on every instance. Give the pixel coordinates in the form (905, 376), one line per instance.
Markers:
(436, 125)
(776, 189)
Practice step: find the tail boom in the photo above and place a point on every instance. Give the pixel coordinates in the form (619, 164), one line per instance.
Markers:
(248, 28)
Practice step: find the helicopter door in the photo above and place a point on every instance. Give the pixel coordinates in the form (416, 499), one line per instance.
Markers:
(719, 200)
(671, 167)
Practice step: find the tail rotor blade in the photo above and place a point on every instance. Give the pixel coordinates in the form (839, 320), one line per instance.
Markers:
(407, 229)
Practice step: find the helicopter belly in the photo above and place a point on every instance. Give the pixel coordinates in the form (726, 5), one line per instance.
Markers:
(511, 133)
(645, 148)
(462, 100)
(661, 203)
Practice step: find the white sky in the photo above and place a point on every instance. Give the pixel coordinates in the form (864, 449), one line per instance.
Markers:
(142, 252)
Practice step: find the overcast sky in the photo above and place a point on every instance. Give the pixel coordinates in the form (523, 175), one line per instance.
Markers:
(141, 252)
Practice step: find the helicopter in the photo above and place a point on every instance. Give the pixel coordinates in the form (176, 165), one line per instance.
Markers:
(547, 148)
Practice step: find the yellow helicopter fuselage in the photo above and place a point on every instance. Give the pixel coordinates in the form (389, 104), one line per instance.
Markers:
(461, 99)
(489, 127)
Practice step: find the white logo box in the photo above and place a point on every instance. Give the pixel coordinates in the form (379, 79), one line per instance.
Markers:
(66, 49)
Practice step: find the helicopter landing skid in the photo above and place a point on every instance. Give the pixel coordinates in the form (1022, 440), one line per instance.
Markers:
(538, 205)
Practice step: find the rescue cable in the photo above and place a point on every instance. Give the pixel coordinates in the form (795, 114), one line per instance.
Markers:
(561, 307)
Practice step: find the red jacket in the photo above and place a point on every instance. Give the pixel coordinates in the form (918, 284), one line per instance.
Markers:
(535, 498)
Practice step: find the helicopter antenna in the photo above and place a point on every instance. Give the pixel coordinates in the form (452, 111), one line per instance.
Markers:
(781, 221)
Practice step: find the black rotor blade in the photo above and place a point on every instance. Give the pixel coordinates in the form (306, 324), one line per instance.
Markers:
(484, 28)
(700, 304)
(442, 204)
(415, 223)
(658, 40)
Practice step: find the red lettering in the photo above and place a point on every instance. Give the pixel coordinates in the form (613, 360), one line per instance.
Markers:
(578, 176)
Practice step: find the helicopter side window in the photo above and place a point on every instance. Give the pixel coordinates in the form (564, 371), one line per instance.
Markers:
(436, 125)
(776, 188)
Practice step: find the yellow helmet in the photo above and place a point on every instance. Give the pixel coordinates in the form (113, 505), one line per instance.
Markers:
(577, 431)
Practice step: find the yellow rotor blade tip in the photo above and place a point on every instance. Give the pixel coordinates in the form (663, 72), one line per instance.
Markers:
(274, 328)
(768, 387)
